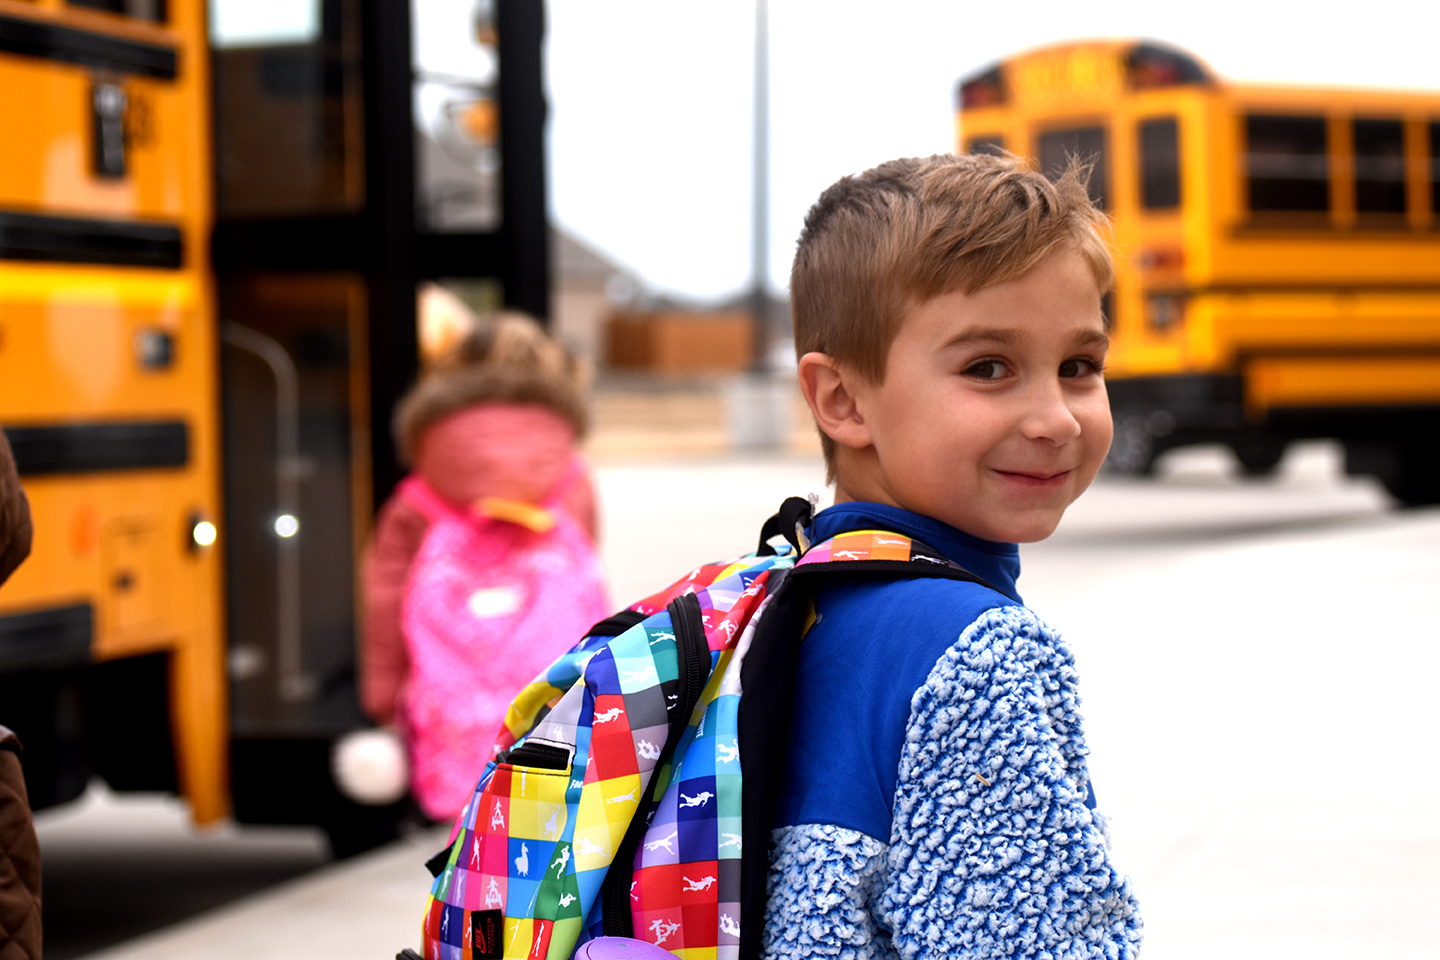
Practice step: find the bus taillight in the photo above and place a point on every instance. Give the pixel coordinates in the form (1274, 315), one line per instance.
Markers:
(1160, 258)
(985, 89)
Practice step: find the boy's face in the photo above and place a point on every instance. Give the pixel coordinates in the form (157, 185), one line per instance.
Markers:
(993, 415)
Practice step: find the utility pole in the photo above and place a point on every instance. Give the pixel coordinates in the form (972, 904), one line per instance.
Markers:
(760, 239)
(758, 404)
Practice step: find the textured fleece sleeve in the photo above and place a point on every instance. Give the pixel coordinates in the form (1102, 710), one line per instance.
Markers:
(992, 851)
(823, 882)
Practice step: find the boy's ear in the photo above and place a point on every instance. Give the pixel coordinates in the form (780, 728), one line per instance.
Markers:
(830, 390)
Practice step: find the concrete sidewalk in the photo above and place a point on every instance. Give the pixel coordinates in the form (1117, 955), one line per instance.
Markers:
(369, 906)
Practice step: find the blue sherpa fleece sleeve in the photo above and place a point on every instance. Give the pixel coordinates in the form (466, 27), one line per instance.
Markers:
(993, 852)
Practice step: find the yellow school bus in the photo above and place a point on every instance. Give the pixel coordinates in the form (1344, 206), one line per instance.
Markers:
(108, 394)
(213, 220)
(1278, 268)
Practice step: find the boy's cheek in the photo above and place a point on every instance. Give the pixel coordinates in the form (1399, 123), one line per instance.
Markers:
(1104, 423)
(1102, 433)
(1107, 426)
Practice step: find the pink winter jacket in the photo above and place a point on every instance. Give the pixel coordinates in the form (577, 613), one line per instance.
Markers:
(506, 450)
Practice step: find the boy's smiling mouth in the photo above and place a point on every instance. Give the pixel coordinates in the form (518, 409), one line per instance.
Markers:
(1035, 478)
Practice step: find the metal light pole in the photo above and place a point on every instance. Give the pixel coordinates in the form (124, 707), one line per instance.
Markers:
(760, 238)
(758, 404)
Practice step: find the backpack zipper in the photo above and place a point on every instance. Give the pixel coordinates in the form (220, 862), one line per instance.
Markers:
(537, 754)
(692, 654)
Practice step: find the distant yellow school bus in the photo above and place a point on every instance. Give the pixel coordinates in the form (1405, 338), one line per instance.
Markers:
(1278, 269)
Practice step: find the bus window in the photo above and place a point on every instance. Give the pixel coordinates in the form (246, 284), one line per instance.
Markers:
(992, 145)
(457, 118)
(1379, 166)
(152, 10)
(1160, 164)
(1435, 168)
(1152, 66)
(1086, 143)
(1287, 163)
(289, 133)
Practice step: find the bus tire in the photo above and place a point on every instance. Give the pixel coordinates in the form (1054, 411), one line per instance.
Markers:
(1259, 454)
(1417, 481)
(1409, 470)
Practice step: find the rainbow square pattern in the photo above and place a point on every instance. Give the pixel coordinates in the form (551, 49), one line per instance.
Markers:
(536, 844)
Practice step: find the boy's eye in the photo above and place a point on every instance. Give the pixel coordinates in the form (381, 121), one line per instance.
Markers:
(986, 369)
(1079, 367)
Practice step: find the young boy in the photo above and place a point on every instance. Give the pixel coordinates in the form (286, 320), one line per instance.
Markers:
(937, 802)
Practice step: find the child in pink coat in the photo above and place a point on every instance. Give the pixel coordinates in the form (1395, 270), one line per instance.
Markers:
(483, 566)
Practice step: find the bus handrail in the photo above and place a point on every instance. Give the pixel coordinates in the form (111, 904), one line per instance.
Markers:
(294, 684)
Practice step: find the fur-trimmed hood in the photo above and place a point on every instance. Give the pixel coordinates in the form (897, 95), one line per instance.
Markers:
(451, 390)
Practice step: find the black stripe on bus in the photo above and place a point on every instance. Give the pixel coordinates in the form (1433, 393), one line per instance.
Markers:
(29, 236)
(93, 447)
(51, 638)
(51, 41)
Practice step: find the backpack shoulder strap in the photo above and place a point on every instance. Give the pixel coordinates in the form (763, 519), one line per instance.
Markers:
(884, 554)
(416, 492)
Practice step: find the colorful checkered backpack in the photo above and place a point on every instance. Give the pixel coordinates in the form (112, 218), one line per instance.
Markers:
(615, 805)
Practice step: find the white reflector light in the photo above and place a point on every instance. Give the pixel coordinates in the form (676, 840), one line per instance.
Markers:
(203, 533)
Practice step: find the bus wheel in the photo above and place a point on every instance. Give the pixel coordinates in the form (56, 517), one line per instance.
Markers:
(1417, 481)
(1259, 454)
(1409, 470)
(1132, 452)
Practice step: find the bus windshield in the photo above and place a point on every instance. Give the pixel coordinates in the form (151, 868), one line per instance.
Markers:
(1086, 144)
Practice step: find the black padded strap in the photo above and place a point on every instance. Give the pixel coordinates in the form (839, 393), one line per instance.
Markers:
(767, 678)
(615, 625)
(794, 516)
(693, 668)
(436, 864)
(895, 570)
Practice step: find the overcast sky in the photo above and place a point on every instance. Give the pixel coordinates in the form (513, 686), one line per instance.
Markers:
(651, 100)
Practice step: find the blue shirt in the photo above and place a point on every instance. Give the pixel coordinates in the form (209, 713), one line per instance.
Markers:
(873, 645)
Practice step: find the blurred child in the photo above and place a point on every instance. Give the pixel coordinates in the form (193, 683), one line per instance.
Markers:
(483, 566)
(937, 801)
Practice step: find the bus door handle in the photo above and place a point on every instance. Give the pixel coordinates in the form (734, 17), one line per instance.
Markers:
(107, 121)
(295, 684)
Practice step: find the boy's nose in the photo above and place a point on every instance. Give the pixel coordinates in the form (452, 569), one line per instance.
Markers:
(1049, 416)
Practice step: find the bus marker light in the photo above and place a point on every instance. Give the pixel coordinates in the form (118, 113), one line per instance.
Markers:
(1161, 258)
(202, 533)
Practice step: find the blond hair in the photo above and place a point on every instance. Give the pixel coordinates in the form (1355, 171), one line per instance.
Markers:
(876, 245)
(506, 358)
